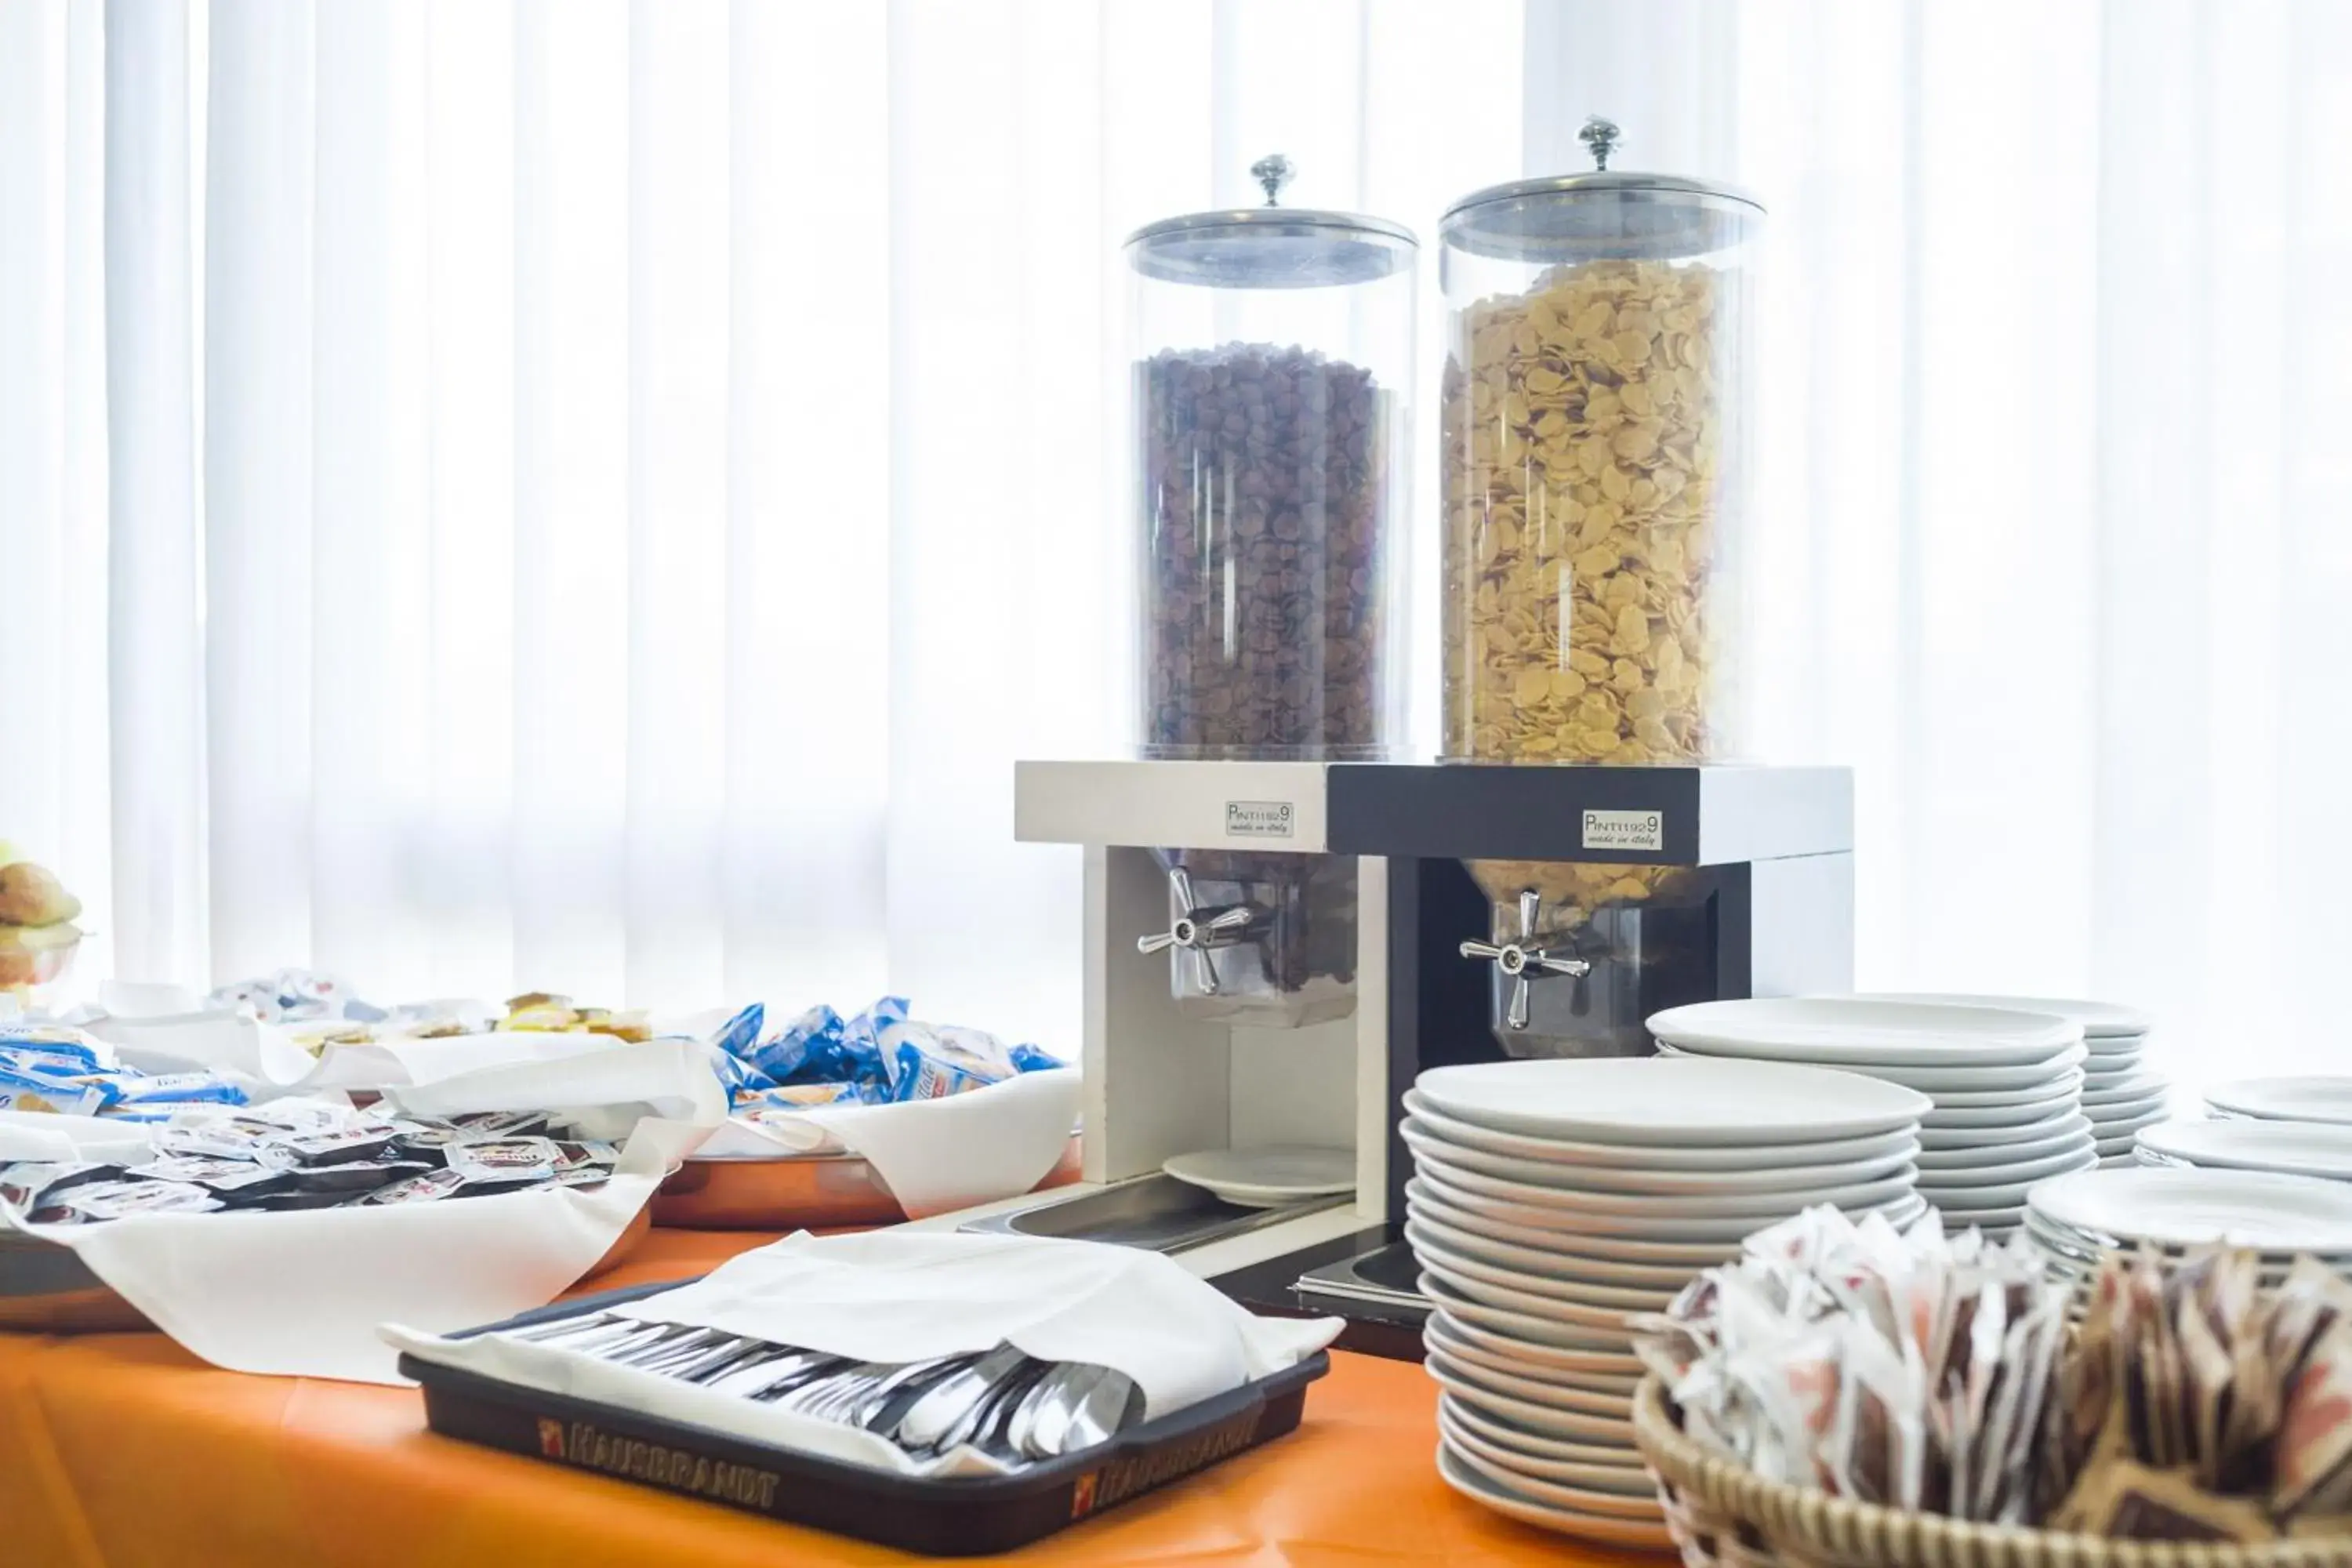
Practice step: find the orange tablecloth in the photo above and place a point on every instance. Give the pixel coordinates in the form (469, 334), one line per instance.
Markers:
(122, 1450)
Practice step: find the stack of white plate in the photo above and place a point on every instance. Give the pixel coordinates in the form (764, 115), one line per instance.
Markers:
(2121, 1094)
(2323, 1097)
(2073, 1218)
(2296, 1148)
(2006, 1086)
(1550, 1198)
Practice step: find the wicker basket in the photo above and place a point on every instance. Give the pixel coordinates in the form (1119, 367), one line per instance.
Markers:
(1722, 1514)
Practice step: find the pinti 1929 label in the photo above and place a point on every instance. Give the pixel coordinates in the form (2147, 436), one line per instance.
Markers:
(579, 1443)
(1625, 830)
(1259, 818)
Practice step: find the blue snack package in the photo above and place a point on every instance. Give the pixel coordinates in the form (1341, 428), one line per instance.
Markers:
(52, 1042)
(793, 1055)
(731, 1050)
(63, 1096)
(741, 1033)
(792, 1097)
(167, 1090)
(1035, 1059)
(917, 1075)
(863, 1060)
(927, 1061)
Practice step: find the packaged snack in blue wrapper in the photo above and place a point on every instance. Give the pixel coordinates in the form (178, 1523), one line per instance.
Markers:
(929, 1062)
(53, 1042)
(21, 1090)
(863, 1057)
(791, 1097)
(805, 1048)
(166, 1090)
(1035, 1059)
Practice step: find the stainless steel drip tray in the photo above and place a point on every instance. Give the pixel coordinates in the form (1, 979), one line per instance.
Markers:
(1157, 1212)
(1386, 1276)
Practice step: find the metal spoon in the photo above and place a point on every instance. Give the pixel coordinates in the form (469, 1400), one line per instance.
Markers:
(946, 1403)
(1111, 1405)
(980, 1417)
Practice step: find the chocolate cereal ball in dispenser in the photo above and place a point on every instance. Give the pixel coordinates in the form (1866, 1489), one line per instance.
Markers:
(1273, 368)
(1596, 403)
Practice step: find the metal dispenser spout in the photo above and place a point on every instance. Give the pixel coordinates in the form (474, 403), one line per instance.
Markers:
(1522, 960)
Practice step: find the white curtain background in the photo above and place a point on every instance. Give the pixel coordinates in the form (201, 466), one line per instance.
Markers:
(594, 494)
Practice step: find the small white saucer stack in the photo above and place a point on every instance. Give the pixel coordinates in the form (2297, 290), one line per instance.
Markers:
(2006, 1086)
(1552, 1197)
(2121, 1093)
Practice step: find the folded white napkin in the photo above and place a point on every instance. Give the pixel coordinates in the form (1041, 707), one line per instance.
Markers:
(502, 1070)
(934, 1154)
(900, 1296)
(300, 1293)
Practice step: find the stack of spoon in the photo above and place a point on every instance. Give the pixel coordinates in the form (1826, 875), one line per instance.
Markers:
(1010, 1406)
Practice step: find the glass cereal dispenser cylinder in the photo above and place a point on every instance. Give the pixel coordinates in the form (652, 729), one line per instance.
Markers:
(1272, 357)
(1596, 410)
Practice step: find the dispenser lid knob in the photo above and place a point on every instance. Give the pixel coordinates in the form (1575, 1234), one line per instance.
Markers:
(1272, 172)
(1599, 138)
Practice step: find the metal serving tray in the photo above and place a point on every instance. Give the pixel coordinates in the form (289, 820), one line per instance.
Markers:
(1157, 1212)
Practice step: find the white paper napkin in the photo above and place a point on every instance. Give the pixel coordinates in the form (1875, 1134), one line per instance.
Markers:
(503, 1070)
(934, 1154)
(40, 1135)
(899, 1296)
(300, 1293)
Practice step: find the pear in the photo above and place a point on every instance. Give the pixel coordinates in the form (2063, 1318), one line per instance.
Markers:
(31, 896)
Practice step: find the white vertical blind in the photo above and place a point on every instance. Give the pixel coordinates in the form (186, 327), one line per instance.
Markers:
(2049, 521)
(596, 493)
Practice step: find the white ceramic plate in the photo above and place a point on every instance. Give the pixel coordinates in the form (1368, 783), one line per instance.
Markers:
(2058, 1074)
(1628, 1479)
(1551, 1273)
(2322, 1098)
(2100, 1020)
(1731, 1199)
(2183, 1207)
(1779, 1176)
(1520, 1325)
(1583, 1500)
(1431, 1249)
(2056, 1164)
(2094, 1081)
(2307, 1148)
(1847, 1029)
(2062, 1089)
(2105, 1127)
(1498, 1386)
(2006, 1195)
(1559, 1263)
(1532, 1354)
(2011, 1121)
(1470, 1342)
(1945, 1164)
(1269, 1176)
(1983, 1219)
(1510, 1364)
(1541, 1229)
(1528, 1303)
(1651, 1157)
(1512, 1504)
(1661, 1100)
(1518, 1440)
(1424, 1199)
(1486, 1209)
(2141, 1091)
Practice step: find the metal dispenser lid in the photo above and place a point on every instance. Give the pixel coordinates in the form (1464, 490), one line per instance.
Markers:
(1568, 217)
(1271, 246)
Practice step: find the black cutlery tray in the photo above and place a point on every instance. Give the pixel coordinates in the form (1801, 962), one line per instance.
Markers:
(957, 1518)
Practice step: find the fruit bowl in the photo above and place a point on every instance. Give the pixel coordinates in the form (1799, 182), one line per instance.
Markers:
(35, 955)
